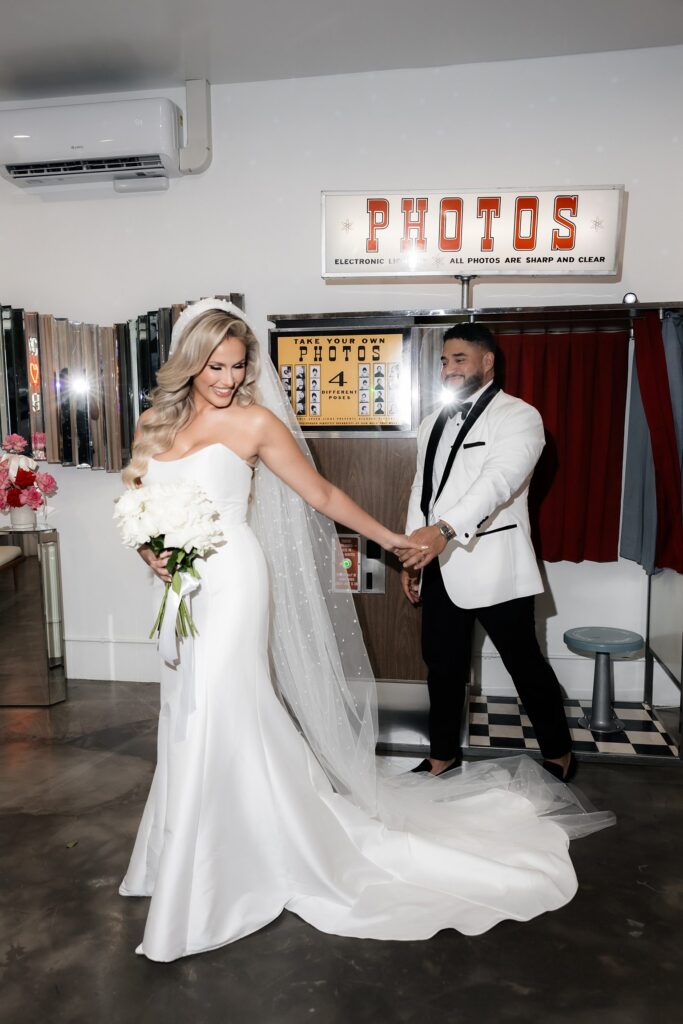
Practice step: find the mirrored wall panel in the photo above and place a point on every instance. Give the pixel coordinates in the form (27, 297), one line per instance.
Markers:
(75, 390)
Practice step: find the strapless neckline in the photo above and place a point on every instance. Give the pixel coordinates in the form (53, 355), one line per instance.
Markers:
(213, 444)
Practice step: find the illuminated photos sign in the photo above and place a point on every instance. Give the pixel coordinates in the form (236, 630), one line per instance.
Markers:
(471, 232)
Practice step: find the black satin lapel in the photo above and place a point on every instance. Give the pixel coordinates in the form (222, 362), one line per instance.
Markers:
(428, 468)
(474, 415)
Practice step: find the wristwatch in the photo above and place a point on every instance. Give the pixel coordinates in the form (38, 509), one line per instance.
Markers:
(446, 531)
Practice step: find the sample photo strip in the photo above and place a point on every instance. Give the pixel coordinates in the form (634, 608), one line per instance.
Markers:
(364, 389)
(393, 388)
(379, 390)
(286, 380)
(300, 390)
(314, 386)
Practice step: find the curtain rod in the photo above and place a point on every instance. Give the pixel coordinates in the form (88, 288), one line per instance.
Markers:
(620, 309)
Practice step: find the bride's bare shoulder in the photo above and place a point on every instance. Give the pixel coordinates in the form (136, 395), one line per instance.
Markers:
(257, 417)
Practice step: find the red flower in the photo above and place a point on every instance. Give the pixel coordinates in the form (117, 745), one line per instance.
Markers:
(13, 496)
(24, 478)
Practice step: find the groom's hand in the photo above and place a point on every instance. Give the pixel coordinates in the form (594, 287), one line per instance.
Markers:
(410, 582)
(431, 540)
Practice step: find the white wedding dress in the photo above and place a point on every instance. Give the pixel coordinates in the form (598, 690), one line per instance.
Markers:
(241, 821)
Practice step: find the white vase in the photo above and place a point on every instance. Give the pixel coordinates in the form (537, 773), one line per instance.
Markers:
(22, 518)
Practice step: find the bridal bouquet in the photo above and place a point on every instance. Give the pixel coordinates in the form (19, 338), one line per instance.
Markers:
(179, 518)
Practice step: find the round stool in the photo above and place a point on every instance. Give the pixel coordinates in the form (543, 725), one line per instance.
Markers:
(603, 642)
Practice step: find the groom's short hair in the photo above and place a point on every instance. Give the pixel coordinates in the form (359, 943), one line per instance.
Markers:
(476, 334)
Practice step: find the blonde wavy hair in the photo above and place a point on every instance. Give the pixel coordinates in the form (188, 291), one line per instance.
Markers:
(172, 407)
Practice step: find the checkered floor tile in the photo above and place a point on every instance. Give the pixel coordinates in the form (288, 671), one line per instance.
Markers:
(500, 723)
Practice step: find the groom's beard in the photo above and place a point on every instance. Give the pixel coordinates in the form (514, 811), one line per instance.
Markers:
(473, 383)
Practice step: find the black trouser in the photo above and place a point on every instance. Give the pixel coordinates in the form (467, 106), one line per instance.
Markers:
(447, 650)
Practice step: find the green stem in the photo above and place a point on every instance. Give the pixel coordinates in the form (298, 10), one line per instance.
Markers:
(184, 626)
(156, 628)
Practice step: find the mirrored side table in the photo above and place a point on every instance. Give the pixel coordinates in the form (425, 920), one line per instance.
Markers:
(32, 658)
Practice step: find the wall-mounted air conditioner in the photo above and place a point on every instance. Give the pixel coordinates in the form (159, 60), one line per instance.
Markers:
(137, 144)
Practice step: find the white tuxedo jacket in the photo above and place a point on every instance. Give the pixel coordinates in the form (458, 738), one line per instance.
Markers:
(484, 499)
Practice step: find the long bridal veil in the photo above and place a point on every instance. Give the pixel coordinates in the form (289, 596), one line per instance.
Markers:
(318, 657)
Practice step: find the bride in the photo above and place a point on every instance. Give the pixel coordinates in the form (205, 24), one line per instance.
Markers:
(266, 793)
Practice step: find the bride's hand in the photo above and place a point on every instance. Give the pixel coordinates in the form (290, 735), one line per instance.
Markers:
(156, 563)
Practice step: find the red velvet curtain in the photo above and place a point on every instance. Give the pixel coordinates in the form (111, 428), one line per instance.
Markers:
(577, 380)
(653, 380)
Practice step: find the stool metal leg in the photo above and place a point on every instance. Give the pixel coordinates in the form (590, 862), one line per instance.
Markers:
(602, 717)
(464, 739)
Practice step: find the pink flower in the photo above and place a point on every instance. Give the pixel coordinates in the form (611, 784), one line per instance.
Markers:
(47, 483)
(38, 446)
(4, 475)
(3, 500)
(14, 443)
(31, 497)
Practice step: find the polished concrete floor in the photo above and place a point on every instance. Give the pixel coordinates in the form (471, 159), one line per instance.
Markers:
(73, 780)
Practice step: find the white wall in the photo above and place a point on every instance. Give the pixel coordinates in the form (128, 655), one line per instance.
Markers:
(252, 224)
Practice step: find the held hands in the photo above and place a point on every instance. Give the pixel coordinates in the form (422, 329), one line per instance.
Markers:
(156, 564)
(423, 545)
(400, 544)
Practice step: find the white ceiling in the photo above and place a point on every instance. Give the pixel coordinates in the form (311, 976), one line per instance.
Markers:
(71, 47)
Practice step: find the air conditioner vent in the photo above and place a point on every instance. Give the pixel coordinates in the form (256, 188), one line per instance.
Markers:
(73, 168)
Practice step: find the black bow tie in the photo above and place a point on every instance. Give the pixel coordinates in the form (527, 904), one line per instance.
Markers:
(459, 407)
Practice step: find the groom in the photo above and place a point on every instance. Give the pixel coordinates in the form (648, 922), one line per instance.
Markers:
(468, 504)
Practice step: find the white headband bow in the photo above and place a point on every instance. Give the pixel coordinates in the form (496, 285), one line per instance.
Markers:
(191, 313)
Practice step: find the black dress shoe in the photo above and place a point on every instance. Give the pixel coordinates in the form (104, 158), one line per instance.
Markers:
(426, 766)
(556, 769)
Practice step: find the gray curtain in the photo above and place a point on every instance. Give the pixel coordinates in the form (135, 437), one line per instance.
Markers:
(672, 332)
(639, 511)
